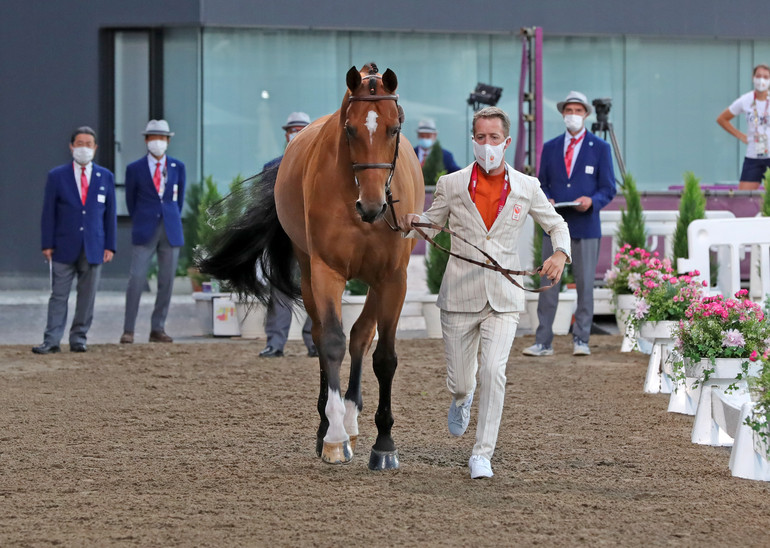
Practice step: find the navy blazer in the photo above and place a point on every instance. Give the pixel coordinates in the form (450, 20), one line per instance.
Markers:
(67, 226)
(592, 176)
(449, 161)
(147, 209)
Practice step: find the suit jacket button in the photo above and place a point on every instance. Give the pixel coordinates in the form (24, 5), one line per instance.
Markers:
(568, 185)
(488, 261)
(81, 228)
(489, 237)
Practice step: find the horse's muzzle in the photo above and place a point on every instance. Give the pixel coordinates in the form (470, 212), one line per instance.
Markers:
(370, 214)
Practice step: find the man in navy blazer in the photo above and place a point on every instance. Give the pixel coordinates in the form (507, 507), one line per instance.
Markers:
(575, 168)
(427, 135)
(78, 235)
(155, 186)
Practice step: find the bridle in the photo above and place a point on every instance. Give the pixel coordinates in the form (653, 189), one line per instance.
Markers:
(358, 166)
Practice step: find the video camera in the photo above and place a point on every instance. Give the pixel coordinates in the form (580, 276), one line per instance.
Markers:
(484, 94)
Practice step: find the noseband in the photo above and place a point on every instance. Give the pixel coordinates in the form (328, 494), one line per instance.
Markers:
(391, 166)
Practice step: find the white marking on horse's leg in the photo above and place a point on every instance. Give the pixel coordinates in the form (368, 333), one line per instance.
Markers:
(335, 413)
(371, 124)
(351, 418)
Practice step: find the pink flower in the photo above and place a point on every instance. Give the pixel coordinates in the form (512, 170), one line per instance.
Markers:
(754, 355)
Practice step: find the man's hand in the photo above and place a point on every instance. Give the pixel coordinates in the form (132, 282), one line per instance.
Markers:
(554, 266)
(585, 203)
(406, 221)
(48, 253)
(108, 255)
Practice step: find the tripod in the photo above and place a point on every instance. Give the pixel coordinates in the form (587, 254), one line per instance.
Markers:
(605, 127)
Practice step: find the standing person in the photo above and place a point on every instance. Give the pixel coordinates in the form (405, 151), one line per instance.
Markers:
(755, 105)
(486, 203)
(78, 228)
(155, 186)
(279, 310)
(575, 167)
(427, 143)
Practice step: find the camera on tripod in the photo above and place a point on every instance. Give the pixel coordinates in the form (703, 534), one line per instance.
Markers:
(484, 94)
(602, 107)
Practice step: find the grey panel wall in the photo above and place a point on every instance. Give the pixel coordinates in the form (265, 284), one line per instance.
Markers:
(50, 67)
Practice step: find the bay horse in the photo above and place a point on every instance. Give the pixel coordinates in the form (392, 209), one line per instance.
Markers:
(330, 206)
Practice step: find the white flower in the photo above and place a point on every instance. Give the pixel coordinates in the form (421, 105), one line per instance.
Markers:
(641, 309)
(733, 337)
(634, 280)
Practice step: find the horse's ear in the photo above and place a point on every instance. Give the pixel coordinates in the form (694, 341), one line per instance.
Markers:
(353, 79)
(389, 81)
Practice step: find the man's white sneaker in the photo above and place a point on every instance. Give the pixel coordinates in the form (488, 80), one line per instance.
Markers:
(580, 349)
(480, 467)
(459, 416)
(538, 350)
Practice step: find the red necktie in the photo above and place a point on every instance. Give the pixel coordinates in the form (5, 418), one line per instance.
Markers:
(568, 155)
(156, 177)
(83, 184)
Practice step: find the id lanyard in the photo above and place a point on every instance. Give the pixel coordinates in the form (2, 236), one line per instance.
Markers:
(760, 137)
(503, 192)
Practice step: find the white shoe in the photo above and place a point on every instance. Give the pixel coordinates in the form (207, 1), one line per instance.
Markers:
(459, 416)
(538, 350)
(480, 467)
(580, 348)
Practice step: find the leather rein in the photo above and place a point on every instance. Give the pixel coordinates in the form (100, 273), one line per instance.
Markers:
(490, 264)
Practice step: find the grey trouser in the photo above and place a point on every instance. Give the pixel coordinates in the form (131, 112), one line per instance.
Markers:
(141, 255)
(61, 282)
(278, 322)
(585, 255)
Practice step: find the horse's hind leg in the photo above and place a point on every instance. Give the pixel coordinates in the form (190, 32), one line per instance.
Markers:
(384, 455)
(361, 336)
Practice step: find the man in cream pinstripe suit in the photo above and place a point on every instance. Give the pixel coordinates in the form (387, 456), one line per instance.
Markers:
(486, 203)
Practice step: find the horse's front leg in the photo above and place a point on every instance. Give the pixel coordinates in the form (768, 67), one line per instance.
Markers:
(326, 287)
(361, 336)
(384, 455)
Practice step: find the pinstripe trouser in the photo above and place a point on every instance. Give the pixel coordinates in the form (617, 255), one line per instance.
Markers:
(465, 333)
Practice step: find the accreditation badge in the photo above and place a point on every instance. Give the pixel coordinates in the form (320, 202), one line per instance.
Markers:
(516, 212)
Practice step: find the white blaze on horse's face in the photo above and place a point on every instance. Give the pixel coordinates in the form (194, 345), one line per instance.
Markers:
(371, 124)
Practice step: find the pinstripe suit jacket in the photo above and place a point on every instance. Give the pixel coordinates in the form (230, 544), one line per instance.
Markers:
(467, 287)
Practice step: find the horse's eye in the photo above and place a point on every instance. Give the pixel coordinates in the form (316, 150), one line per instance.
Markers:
(350, 130)
(393, 131)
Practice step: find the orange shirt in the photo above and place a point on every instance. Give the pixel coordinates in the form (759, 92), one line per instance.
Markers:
(488, 190)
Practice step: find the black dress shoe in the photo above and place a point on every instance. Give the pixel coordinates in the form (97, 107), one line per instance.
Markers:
(312, 352)
(270, 352)
(78, 347)
(46, 349)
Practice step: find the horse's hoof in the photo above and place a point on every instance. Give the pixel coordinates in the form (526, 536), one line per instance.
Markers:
(353, 440)
(337, 453)
(383, 460)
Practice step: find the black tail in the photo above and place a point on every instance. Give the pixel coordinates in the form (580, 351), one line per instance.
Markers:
(252, 251)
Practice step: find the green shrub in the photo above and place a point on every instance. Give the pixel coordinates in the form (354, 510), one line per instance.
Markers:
(436, 261)
(692, 206)
(357, 287)
(631, 229)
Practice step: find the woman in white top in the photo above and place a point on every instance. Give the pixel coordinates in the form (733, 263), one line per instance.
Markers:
(755, 105)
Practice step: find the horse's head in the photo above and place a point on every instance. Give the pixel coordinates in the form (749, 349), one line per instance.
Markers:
(372, 125)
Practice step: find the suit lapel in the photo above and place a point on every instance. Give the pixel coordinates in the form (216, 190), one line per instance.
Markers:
(465, 197)
(580, 161)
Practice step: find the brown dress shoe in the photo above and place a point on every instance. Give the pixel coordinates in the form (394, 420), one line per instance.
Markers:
(127, 338)
(160, 336)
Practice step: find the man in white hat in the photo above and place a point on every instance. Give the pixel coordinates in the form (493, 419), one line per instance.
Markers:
(279, 310)
(155, 186)
(575, 168)
(428, 145)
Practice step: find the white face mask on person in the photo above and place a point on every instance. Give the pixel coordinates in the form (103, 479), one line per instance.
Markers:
(489, 157)
(82, 155)
(574, 122)
(157, 147)
(426, 143)
(761, 84)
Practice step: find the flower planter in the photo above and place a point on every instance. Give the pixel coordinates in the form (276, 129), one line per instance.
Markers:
(204, 309)
(432, 315)
(660, 333)
(564, 312)
(705, 430)
(251, 318)
(623, 307)
(352, 305)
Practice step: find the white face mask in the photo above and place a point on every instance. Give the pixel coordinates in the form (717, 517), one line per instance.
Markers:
(82, 155)
(489, 157)
(157, 147)
(574, 122)
(761, 84)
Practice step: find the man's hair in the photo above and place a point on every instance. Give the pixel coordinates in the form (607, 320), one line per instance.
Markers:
(760, 66)
(82, 129)
(493, 112)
